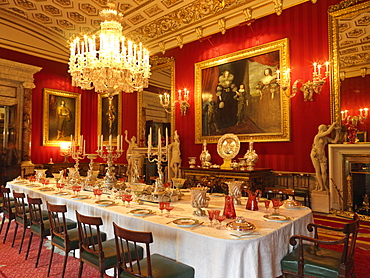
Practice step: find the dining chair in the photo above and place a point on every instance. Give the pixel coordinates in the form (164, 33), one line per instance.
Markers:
(93, 250)
(21, 216)
(153, 265)
(8, 210)
(62, 237)
(40, 226)
(312, 260)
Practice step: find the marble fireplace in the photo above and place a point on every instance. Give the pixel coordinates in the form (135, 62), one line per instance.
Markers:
(340, 158)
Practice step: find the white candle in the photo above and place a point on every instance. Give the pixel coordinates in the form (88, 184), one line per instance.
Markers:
(110, 140)
(150, 140)
(314, 67)
(159, 139)
(84, 147)
(319, 69)
(327, 67)
(101, 140)
(166, 137)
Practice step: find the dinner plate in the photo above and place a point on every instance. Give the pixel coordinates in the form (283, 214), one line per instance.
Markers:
(141, 212)
(46, 189)
(295, 207)
(186, 222)
(105, 203)
(60, 193)
(80, 197)
(217, 195)
(276, 217)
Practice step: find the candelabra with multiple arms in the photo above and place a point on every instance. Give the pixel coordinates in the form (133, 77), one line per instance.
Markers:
(110, 154)
(159, 156)
(77, 153)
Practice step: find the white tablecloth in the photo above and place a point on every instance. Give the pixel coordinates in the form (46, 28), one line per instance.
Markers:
(213, 253)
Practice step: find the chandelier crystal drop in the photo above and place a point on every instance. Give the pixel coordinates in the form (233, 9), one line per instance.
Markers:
(109, 62)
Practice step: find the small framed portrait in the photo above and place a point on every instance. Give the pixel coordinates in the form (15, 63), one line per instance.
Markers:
(61, 116)
(240, 93)
(361, 136)
(109, 116)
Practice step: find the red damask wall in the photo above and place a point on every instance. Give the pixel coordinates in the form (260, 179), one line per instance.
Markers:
(306, 27)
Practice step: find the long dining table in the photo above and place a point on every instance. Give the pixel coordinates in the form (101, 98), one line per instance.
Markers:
(212, 252)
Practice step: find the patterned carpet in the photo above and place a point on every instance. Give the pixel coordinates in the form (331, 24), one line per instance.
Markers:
(13, 265)
(362, 250)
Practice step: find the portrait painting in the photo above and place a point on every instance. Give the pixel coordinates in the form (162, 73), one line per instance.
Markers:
(240, 93)
(61, 116)
(109, 116)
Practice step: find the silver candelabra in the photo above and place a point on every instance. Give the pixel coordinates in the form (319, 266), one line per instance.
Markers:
(77, 153)
(159, 156)
(110, 153)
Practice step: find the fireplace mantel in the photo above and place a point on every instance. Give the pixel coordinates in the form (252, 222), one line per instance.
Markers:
(337, 160)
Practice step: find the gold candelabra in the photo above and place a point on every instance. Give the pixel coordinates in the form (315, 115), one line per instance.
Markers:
(78, 151)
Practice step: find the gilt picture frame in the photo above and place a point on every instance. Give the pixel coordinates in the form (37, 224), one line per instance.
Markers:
(109, 117)
(239, 93)
(61, 116)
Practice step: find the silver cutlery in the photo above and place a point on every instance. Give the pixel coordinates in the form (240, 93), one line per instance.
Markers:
(201, 223)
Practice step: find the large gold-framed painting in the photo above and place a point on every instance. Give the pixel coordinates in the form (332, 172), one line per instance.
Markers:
(109, 117)
(61, 116)
(239, 93)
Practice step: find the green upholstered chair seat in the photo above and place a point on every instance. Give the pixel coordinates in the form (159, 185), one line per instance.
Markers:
(109, 249)
(73, 238)
(163, 267)
(318, 262)
(37, 229)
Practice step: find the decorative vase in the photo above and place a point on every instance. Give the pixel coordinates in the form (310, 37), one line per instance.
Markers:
(251, 157)
(352, 134)
(229, 209)
(192, 161)
(235, 190)
(205, 156)
(40, 174)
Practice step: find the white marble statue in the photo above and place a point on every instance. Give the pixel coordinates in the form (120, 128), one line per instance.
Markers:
(174, 157)
(318, 156)
(130, 153)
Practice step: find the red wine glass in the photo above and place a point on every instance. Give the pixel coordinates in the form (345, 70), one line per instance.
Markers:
(267, 204)
(211, 216)
(220, 218)
(162, 206)
(128, 199)
(276, 203)
(169, 208)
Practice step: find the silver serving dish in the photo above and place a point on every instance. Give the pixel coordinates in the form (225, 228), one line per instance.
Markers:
(241, 226)
(290, 203)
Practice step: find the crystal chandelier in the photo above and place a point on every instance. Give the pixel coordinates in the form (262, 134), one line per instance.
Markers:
(110, 62)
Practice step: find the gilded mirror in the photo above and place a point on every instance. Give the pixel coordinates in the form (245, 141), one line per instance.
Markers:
(150, 112)
(349, 40)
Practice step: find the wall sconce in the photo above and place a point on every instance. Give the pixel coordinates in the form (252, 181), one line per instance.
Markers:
(165, 101)
(65, 150)
(354, 120)
(183, 100)
(363, 72)
(308, 88)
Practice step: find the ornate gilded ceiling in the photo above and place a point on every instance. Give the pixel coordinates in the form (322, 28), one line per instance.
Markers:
(354, 42)
(43, 27)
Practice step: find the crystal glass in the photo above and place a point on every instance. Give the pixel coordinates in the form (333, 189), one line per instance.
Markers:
(276, 203)
(162, 206)
(98, 192)
(267, 205)
(60, 186)
(220, 218)
(128, 199)
(211, 216)
(168, 207)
